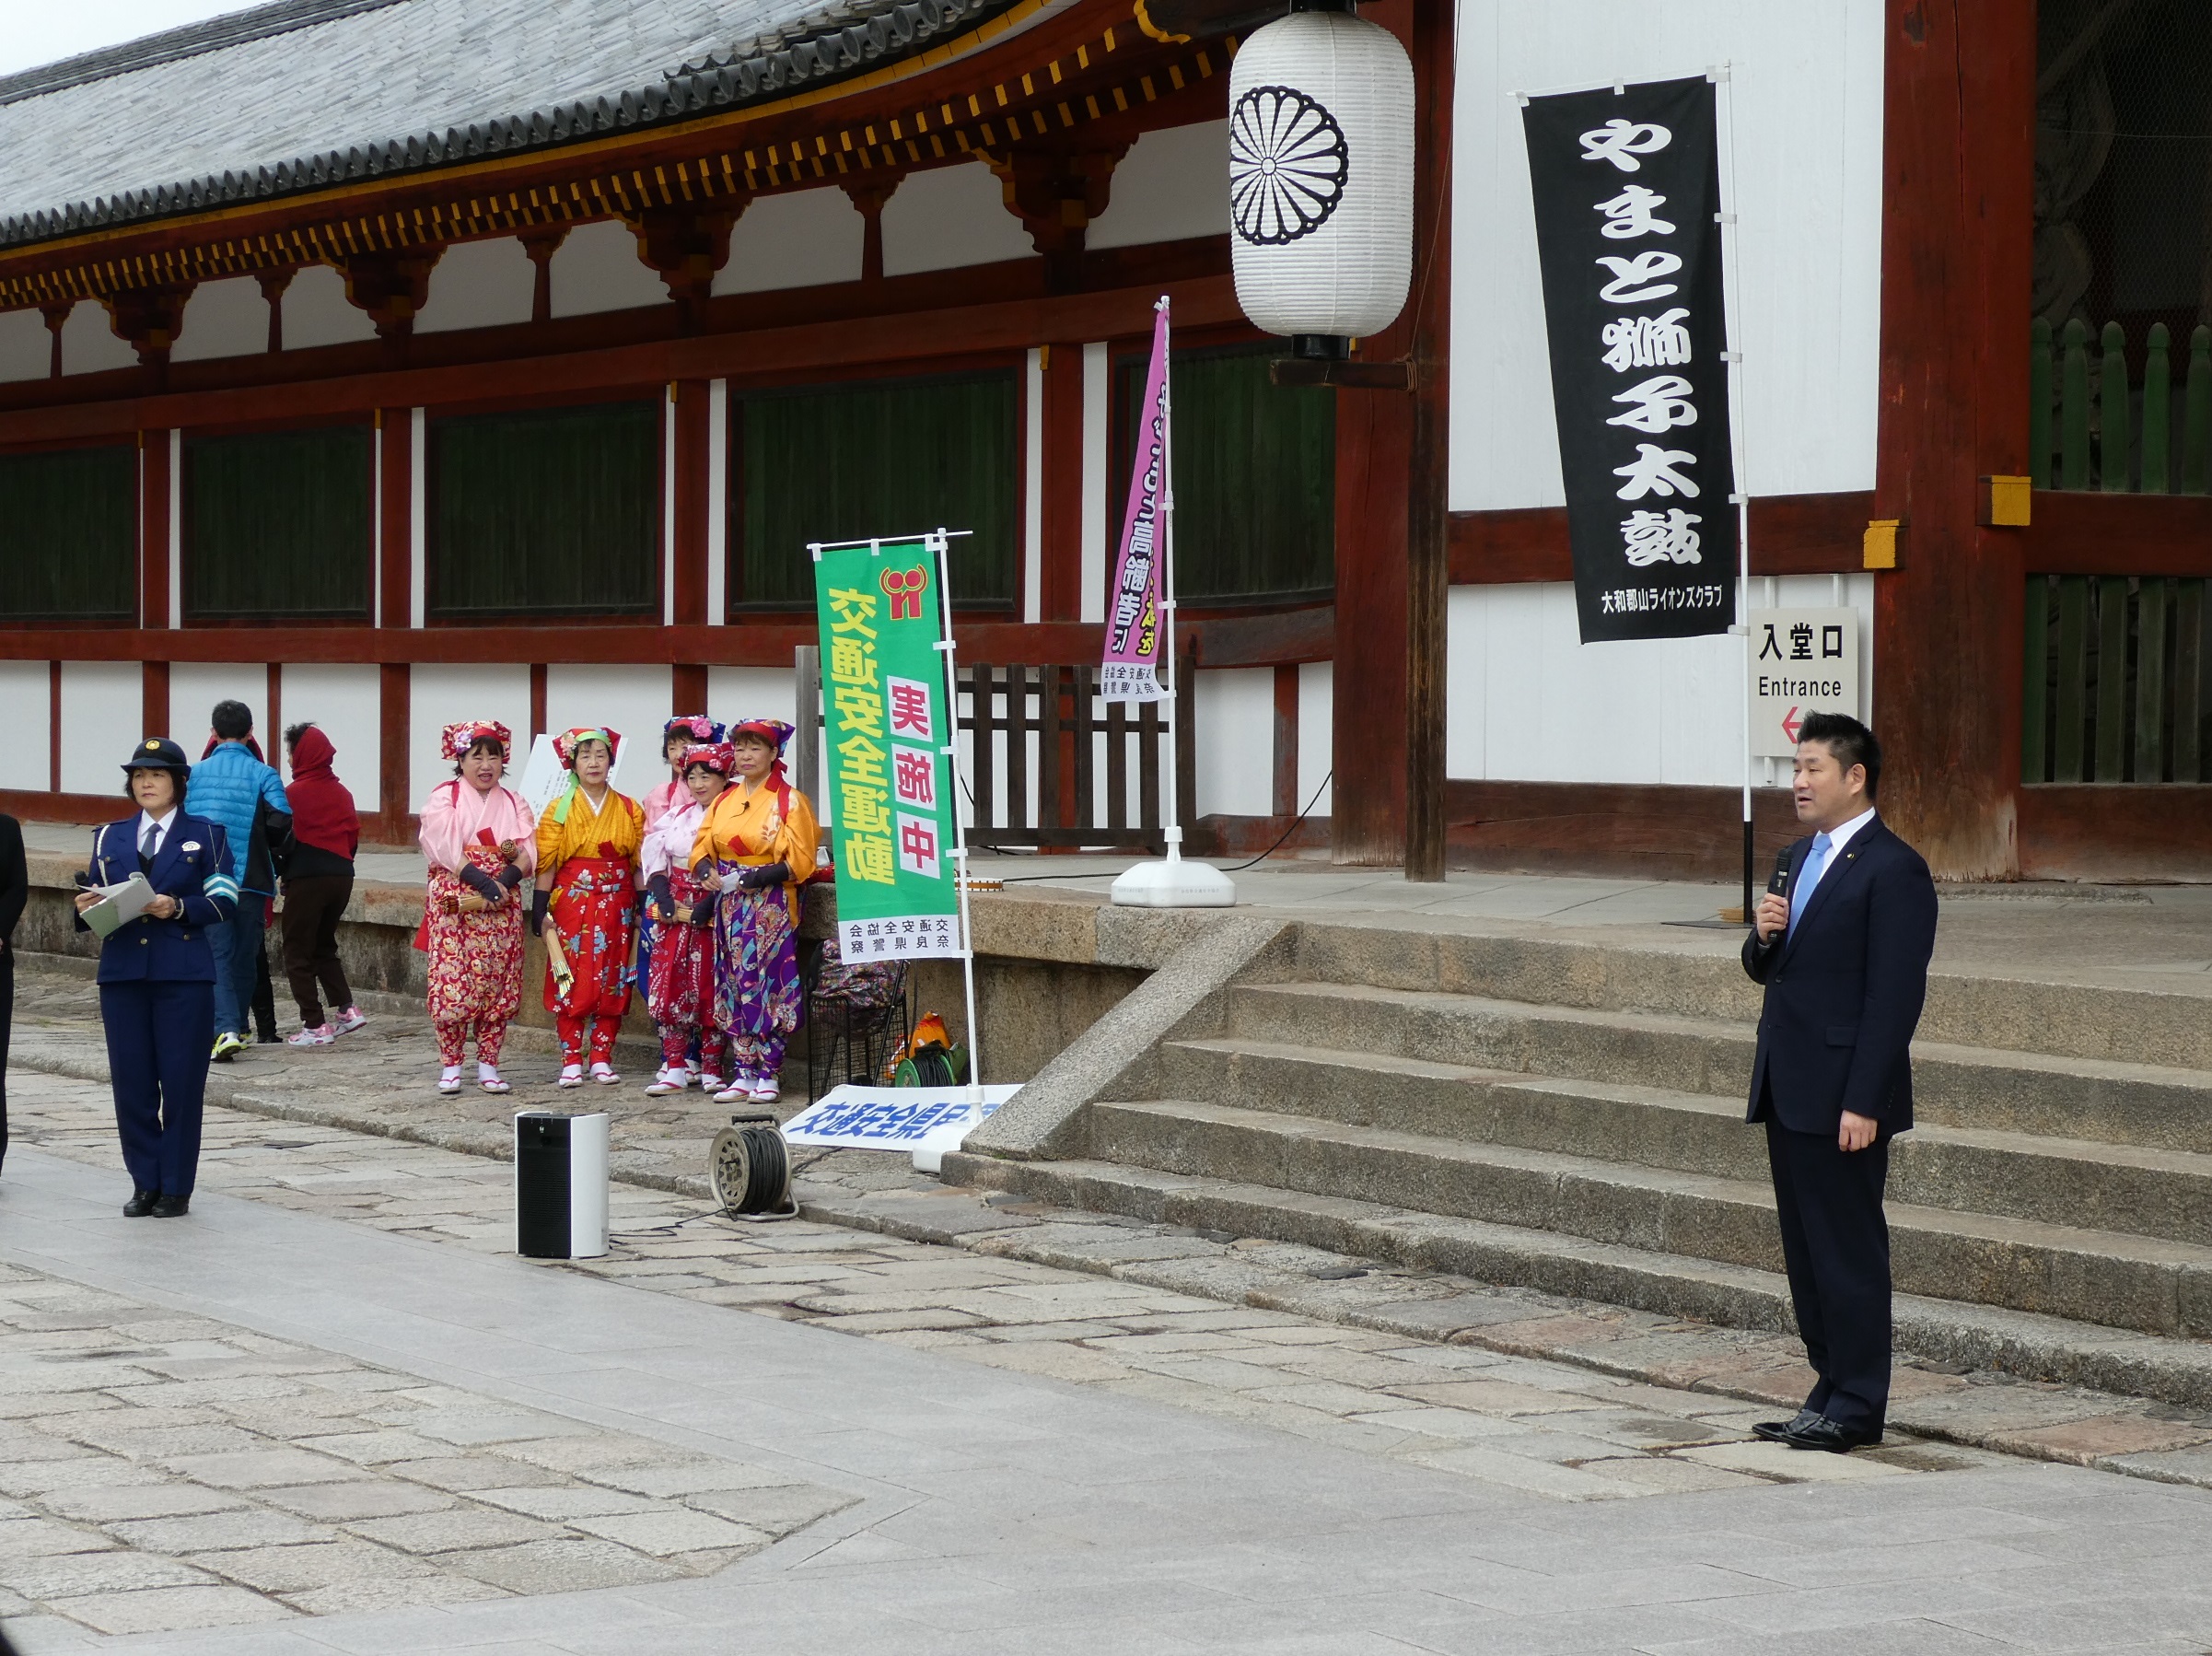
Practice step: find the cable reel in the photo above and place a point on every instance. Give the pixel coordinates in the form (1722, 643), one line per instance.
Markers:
(749, 1168)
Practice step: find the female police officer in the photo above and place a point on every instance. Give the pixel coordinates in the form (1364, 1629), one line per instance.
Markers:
(157, 973)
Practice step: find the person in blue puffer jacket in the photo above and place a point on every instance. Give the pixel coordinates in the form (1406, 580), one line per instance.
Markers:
(230, 787)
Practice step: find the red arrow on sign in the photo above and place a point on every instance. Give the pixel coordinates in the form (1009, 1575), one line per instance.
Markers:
(1790, 721)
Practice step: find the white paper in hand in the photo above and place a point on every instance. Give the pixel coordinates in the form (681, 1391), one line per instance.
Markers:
(119, 905)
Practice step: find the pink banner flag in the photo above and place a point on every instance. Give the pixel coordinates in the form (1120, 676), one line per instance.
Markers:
(1131, 670)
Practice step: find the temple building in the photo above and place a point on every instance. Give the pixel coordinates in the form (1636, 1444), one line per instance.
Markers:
(384, 362)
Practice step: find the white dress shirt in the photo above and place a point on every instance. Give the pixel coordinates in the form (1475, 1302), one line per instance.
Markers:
(1837, 839)
(160, 825)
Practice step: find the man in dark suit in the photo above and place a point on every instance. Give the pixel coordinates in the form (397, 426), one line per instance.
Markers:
(1843, 946)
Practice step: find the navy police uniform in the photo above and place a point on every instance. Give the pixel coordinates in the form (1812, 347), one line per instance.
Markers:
(156, 983)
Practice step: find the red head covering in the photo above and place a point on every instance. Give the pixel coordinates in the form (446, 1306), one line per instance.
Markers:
(718, 756)
(456, 740)
(322, 808)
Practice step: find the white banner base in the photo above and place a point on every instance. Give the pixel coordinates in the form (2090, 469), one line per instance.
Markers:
(1174, 883)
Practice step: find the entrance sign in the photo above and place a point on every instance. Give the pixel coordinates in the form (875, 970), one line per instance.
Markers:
(1803, 661)
(1130, 671)
(886, 718)
(1628, 235)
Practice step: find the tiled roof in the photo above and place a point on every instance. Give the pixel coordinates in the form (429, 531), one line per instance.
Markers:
(303, 94)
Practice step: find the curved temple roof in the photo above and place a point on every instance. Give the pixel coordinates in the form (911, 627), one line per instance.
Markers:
(303, 94)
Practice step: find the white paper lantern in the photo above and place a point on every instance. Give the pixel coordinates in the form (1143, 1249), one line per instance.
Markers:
(1321, 175)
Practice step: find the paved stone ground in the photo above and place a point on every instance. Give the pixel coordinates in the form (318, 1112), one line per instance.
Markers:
(1547, 1428)
(1217, 1478)
(376, 1081)
(163, 1472)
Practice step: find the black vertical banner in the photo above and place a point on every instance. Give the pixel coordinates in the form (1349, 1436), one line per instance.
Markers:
(1627, 191)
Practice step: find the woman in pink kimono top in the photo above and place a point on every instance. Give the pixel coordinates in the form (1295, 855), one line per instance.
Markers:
(679, 990)
(480, 840)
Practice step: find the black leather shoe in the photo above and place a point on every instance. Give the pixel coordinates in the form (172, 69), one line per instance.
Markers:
(141, 1204)
(1777, 1431)
(169, 1207)
(1823, 1433)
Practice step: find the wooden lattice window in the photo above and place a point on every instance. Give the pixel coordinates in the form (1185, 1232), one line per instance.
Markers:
(1255, 477)
(895, 457)
(278, 524)
(68, 535)
(545, 512)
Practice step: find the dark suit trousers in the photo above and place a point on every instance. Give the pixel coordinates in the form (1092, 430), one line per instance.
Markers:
(7, 1012)
(157, 1065)
(1836, 1246)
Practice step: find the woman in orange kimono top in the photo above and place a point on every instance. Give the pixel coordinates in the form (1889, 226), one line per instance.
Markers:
(755, 845)
(587, 844)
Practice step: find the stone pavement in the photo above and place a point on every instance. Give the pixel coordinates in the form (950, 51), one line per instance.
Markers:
(162, 1471)
(375, 1081)
(997, 1508)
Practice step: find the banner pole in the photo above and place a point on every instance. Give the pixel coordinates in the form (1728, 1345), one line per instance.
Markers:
(1731, 304)
(1173, 831)
(938, 544)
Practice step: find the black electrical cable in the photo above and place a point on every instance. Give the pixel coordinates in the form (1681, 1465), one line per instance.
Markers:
(1292, 829)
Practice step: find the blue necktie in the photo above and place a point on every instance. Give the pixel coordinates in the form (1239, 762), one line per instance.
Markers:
(1808, 877)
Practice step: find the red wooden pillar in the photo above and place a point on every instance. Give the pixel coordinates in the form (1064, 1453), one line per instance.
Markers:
(1387, 632)
(694, 454)
(691, 445)
(1957, 227)
(1060, 516)
(153, 486)
(395, 584)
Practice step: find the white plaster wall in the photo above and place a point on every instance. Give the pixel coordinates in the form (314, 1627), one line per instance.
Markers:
(27, 691)
(346, 703)
(1805, 90)
(102, 702)
(317, 312)
(26, 348)
(194, 688)
(1525, 700)
(598, 269)
(1172, 184)
(440, 695)
(736, 693)
(222, 319)
(1236, 743)
(89, 343)
(634, 701)
(808, 238)
(952, 217)
(479, 284)
(1317, 736)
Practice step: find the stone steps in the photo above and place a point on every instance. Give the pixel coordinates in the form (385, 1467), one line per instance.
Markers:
(2127, 1188)
(2093, 1100)
(2033, 1345)
(2124, 1281)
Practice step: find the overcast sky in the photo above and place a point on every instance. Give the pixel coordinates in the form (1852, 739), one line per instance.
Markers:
(39, 31)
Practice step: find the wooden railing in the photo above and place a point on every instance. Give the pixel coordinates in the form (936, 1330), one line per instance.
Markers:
(1049, 762)
(1053, 761)
(2112, 687)
(2088, 429)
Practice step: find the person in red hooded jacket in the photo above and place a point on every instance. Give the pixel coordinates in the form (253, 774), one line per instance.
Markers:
(318, 882)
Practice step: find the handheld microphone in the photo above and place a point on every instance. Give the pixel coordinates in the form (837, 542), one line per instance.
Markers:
(1779, 883)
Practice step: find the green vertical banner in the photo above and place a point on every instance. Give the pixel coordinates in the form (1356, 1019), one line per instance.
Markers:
(887, 731)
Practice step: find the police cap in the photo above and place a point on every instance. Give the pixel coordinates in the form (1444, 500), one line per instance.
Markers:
(158, 754)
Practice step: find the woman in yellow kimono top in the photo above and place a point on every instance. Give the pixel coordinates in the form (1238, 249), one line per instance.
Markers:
(755, 845)
(587, 844)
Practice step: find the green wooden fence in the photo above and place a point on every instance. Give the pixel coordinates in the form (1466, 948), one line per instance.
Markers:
(2090, 427)
(2115, 682)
